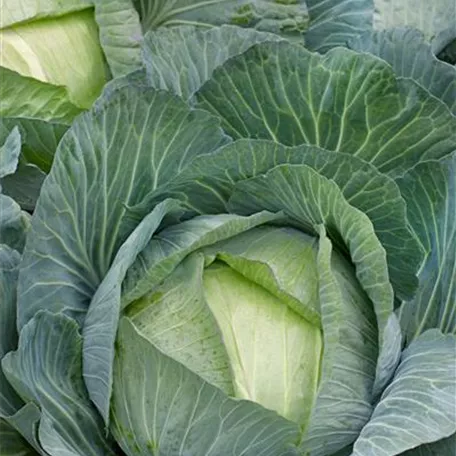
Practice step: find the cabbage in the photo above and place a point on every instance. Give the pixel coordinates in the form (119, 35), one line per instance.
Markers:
(51, 67)
(241, 247)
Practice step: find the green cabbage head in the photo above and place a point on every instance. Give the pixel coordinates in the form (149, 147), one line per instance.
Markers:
(52, 63)
(244, 314)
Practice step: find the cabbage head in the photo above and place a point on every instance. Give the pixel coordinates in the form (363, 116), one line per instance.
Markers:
(52, 63)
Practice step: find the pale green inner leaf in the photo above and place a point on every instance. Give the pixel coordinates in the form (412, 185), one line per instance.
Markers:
(281, 260)
(15, 12)
(62, 51)
(274, 352)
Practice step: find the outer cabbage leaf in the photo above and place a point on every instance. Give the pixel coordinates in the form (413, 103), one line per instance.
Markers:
(335, 22)
(10, 149)
(181, 59)
(24, 185)
(342, 101)
(418, 406)
(106, 163)
(208, 183)
(46, 369)
(120, 35)
(430, 191)
(411, 57)
(13, 222)
(39, 139)
(26, 422)
(285, 18)
(18, 422)
(343, 403)
(444, 446)
(100, 327)
(10, 402)
(37, 142)
(13, 444)
(137, 79)
(390, 354)
(437, 20)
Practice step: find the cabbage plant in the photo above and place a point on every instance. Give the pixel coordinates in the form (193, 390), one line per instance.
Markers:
(243, 248)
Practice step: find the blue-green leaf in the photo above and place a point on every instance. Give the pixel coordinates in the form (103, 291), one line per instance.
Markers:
(418, 406)
(182, 59)
(100, 327)
(26, 422)
(430, 192)
(344, 401)
(13, 222)
(10, 402)
(436, 20)
(109, 160)
(342, 101)
(47, 369)
(286, 18)
(39, 139)
(10, 149)
(411, 57)
(334, 22)
(120, 35)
